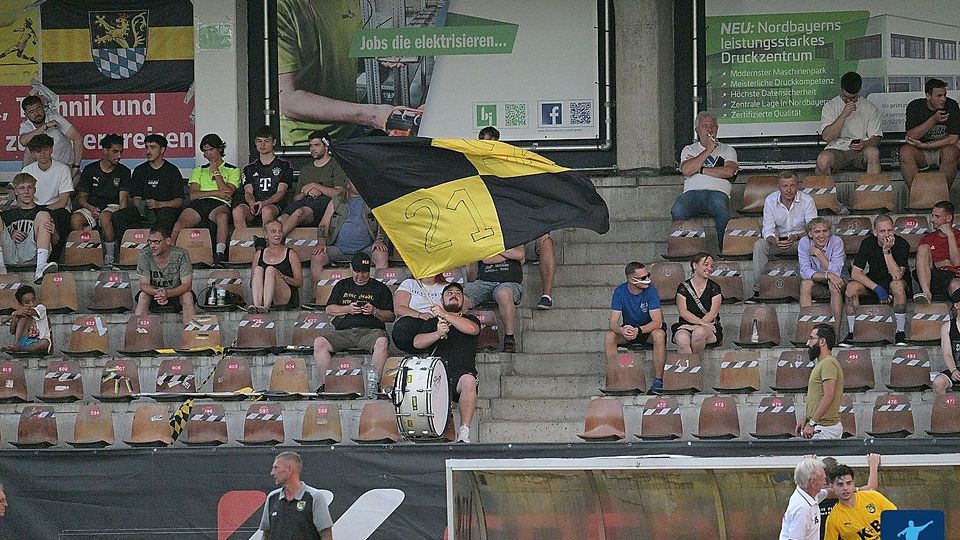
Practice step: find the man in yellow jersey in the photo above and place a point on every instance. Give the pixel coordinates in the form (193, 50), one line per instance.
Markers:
(857, 515)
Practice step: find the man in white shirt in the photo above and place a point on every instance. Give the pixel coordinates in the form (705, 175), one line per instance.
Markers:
(708, 166)
(785, 214)
(801, 521)
(54, 185)
(67, 141)
(851, 128)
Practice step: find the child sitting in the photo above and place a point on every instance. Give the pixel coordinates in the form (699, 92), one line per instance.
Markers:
(29, 323)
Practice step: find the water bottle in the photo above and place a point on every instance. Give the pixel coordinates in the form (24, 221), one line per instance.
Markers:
(755, 336)
(373, 382)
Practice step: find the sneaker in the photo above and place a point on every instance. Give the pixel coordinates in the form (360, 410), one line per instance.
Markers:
(219, 258)
(509, 344)
(259, 243)
(463, 434)
(847, 341)
(320, 389)
(49, 268)
(755, 299)
(900, 340)
(545, 302)
(657, 387)
(920, 298)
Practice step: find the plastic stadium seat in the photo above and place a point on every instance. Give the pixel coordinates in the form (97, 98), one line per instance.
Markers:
(133, 243)
(739, 237)
(755, 193)
(393, 276)
(945, 416)
(198, 245)
(232, 374)
(228, 280)
(759, 327)
(926, 322)
(780, 281)
(175, 376)
(489, 337)
(455, 275)
(912, 229)
(13, 382)
(857, 369)
(88, 337)
(112, 293)
(666, 277)
(263, 425)
(303, 240)
(151, 426)
(325, 280)
(308, 328)
(62, 382)
(389, 376)
(93, 427)
(793, 372)
(37, 428)
(200, 335)
(378, 424)
(83, 251)
(687, 237)
(808, 318)
(144, 334)
(241, 246)
(58, 293)
(875, 326)
(120, 380)
(729, 276)
(892, 417)
(910, 371)
(625, 375)
(206, 425)
(776, 418)
(682, 374)
(848, 418)
(739, 373)
(290, 375)
(255, 334)
(852, 230)
(321, 424)
(344, 378)
(823, 189)
(9, 283)
(927, 189)
(604, 421)
(874, 192)
(718, 418)
(661, 419)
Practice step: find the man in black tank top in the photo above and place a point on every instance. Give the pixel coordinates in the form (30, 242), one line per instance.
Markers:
(950, 345)
(498, 280)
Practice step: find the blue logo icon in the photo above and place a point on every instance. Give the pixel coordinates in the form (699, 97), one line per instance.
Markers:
(551, 114)
(912, 525)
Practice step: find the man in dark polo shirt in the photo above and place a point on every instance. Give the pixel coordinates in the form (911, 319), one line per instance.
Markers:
(295, 511)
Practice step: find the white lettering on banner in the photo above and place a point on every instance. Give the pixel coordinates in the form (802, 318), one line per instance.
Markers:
(182, 139)
(90, 106)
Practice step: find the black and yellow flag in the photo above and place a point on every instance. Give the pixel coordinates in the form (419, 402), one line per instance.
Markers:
(178, 421)
(448, 202)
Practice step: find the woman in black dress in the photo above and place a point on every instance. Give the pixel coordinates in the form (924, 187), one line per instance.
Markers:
(698, 304)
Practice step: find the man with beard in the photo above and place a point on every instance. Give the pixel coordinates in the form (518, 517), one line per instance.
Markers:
(321, 179)
(453, 337)
(824, 389)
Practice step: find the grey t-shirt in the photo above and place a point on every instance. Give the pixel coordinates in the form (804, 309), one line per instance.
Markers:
(169, 277)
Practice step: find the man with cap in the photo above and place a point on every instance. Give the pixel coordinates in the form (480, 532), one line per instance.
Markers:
(358, 308)
(452, 335)
(294, 510)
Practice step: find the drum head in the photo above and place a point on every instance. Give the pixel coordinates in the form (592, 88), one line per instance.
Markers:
(439, 396)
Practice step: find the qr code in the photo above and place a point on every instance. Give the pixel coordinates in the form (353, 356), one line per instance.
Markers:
(581, 112)
(515, 114)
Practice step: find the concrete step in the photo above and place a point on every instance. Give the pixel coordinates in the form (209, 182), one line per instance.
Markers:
(567, 386)
(607, 252)
(558, 364)
(500, 431)
(568, 319)
(607, 275)
(567, 341)
(584, 296)
(529, 410)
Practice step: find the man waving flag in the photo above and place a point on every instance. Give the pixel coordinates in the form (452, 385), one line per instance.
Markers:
(449, 202)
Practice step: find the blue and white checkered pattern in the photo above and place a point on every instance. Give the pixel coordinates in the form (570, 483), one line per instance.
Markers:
(119, 63)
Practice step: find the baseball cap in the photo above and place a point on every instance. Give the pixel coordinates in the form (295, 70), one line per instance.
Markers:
(360, 262)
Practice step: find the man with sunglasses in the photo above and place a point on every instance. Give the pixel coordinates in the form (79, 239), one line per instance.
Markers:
(636, 318)
(850, 125)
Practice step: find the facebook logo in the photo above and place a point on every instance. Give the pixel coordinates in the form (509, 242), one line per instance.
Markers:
(912, 525)
(551, 114)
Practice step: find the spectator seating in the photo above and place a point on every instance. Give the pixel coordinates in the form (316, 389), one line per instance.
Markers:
(759, 327)
(389, 375)
(83, 251)
(925, 324)
(308, 328)
(874, 193)
(120, 380)
(9, 283)
(780, 281)
(58, 293)
(928, 188)
(175, 377)
(739, 237)
(852, 230)
(718, 418)
(912, 229)
(228, 280)
(201, 335)
(687, 237)
(393, 276)
(303, 240)
(344, 378)
(13, 382)
(682, 374)
(206, 425)
(378, 424)
(62, 382)
(290, 375)
(776, 418)
(847, 417)
(489, 338)
(604, 421)
(37, 428)
(945, 416)
(93, 427)
(263, 425)
(112, 293)
(242, 250)
(231, 375)
(910, 371)
(892, 417)
(808, 318)
(739, 373)
(151, 426)
(755, 193)
(133, 243)
(729, 276)
(666, 277)
(625, 375)
(874, 326)
(326, 279)
(661, 419)
(793, 372)
(857, 369)
(256, 333)
(143, 336)
(823, 189)
(198, 245)
(321, 424)
(88, 337)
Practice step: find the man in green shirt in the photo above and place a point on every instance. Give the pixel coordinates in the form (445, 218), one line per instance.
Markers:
(824, 389)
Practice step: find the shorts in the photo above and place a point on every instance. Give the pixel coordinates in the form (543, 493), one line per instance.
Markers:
(821, 433)
(336, 254)
(88, 215)
(453, 378)
(939, 282)
(642, 338)
(353, 338)
(26, 342)
(172, 306)
(932, 157)
(486, 291)
(717, 331)
(15, 254)
(946, 373)
(530, 249)
(318, 205)
(869, 297)
(204, 206)
(847, 159)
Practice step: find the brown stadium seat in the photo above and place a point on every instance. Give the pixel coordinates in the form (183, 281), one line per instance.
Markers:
(776, 418)
(927, 189)
(378, 424)
(823, 189)
(175, 377)
(857, 369)
(321, 424)
(728, 275)
(344, 378)
(120, 380)
(666, 277)
(83, 250)
(489, 337)
(290, 375)
(739, 237)
(228, 280)
(88, 337)
(9, 283)
(718, 418)
(206, 425)
(232, 374)
(892, 417)
(389, 375)
(144, 334)
(241, 246)
(37, 428)
(682, 374)
(93, 427)
(62, 382)
(852, 230)
(875, 326)
(133, 243)
(910, 370)
(780, 281)
(755, 193)
(325, 280)
(739, 373)
(393, 276)
(604, 421)
(808, 318)
(112, 293)
(874, 192)
(13, 382)
(263, 425)
(308, 328)
(945, 416)
(201, 335)
(759, 327)
(255, 334)
(687, 237)
(151, 426)
(661, 419)
(454, 276)
(848, 418)
(912, 229)
(303, 240)
(198, 245)
(58, 293)
(926, 322)
(625, 375)
(793, 372)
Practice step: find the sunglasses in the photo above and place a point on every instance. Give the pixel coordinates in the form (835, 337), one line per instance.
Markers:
(640, 279)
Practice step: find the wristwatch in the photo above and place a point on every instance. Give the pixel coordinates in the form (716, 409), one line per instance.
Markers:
(811, 423)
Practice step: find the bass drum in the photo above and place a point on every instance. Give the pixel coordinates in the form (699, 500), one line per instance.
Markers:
(422, 397)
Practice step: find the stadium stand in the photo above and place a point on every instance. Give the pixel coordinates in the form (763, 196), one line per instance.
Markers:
(120, 380)
(687, 237)
(625, 375)
(776, 418)
(823, 189)
(151, 426)
(718, 418)
(263, 425)
(604, 421)
(37, 428)
(873, 193)
(93, 427)
(661, 419)
(112, 293)
(927, 189)
(378, 424)
(321, 424)
(892, 417)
